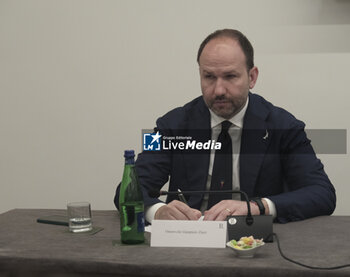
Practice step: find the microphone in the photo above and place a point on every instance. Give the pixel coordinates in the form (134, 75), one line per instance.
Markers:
(259, 226)
(249, 218)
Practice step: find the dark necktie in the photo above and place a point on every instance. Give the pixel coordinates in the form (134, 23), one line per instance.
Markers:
(221, 178)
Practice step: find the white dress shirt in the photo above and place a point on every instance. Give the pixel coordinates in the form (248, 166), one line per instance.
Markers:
(235, 132)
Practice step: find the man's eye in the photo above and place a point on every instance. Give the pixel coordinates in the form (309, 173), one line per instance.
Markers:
(209, 77)
(230, 76)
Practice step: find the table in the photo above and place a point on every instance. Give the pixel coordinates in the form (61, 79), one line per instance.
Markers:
(28, 248)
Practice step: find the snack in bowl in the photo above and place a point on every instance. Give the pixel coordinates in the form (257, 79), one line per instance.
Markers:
(246, 246)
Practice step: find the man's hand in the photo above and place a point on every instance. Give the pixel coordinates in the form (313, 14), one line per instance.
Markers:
(177, 210)
(225, 208)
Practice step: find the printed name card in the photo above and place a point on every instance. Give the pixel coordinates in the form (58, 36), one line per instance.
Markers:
(188, 233)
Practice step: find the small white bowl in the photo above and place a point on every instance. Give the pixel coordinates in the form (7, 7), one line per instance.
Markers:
(245, 253)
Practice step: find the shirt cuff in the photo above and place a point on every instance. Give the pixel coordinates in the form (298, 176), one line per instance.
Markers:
(151, 211)
(272, 207)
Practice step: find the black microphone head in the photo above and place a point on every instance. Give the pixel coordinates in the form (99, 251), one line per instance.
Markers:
(154, 193)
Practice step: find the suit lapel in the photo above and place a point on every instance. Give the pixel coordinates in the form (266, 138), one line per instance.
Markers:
(197, 164)
(254, 142)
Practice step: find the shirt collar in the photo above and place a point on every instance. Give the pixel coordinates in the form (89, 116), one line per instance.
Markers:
(236, 120)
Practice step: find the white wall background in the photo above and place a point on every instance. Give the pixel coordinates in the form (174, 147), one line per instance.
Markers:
(80, 79)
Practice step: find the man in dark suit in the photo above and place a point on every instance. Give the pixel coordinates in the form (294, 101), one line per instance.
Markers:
(270, 157)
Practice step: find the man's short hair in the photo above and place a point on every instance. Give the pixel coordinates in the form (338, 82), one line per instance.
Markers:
(242, 40)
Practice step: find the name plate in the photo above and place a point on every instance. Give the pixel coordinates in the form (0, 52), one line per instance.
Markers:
(188, 233)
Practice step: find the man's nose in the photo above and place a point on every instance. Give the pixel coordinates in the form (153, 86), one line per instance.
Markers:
(219, 89)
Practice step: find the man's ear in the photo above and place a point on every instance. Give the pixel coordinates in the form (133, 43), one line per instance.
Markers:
(253, 77)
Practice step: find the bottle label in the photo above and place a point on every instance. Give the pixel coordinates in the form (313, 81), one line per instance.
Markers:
(140, 222)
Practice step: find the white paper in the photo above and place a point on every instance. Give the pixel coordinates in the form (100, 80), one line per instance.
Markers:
(188, 233)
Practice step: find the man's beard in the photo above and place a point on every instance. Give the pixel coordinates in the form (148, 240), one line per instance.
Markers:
(229, 107)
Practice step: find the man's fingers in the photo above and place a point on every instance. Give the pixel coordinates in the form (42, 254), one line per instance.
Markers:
(214, 212)
(225, 208)
(169, 212)
(197, 214)
(211, 215)
(223, 215)
(189, 213)
(177, 210)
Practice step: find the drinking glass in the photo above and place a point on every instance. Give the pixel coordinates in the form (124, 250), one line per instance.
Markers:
(79, 216)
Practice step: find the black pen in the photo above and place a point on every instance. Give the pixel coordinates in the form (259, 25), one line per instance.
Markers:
(182, 197)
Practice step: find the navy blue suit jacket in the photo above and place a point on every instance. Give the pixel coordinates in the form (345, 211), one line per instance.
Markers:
(281, 166)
